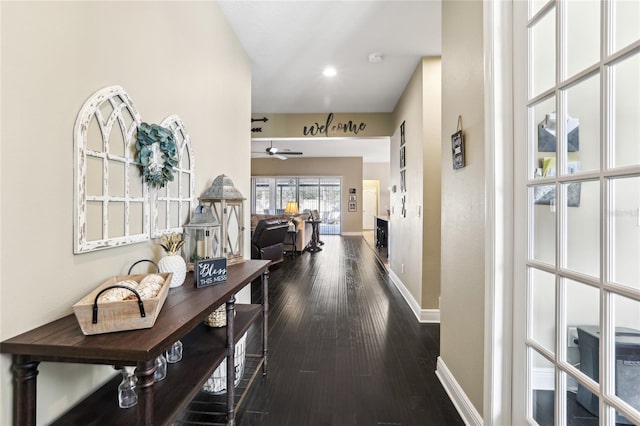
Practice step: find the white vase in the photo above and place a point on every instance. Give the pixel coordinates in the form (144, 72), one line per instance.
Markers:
(173, 263)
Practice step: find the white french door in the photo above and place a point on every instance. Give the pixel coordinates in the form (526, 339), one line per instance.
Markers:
(577, 211)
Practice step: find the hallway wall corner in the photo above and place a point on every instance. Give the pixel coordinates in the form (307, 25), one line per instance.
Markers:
(460, 400)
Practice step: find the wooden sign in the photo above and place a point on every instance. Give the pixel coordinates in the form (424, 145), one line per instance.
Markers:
(210, 271)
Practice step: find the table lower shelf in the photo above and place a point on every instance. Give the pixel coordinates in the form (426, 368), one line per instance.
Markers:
(204, 350)
(210, 409)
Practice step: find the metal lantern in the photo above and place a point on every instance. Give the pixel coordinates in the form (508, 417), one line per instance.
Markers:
(201, 237)
(227, 207)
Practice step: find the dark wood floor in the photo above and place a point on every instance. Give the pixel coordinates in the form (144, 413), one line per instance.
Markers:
(344, 348)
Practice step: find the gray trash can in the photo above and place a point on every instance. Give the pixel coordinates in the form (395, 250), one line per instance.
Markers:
(627, 367)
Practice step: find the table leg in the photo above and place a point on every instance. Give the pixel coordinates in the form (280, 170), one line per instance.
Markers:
(265, 318)
(25, 373)
(144, 372)
(231, 370)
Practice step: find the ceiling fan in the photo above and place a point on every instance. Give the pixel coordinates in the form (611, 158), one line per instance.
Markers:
(272, 151)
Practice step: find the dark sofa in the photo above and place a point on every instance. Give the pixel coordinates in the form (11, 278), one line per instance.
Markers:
(267, 239)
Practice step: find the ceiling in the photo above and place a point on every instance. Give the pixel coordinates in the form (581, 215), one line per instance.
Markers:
(289, 43)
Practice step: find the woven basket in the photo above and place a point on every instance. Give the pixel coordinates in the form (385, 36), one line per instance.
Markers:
(218, 318)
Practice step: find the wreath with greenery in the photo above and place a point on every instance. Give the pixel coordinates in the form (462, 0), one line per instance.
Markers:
(157, 153)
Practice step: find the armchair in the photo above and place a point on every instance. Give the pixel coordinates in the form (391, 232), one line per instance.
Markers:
(267, 240)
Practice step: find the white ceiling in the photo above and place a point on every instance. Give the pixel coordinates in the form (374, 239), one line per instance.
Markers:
(289, 43)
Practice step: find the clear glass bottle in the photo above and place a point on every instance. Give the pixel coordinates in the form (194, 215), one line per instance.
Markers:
(127, 396)
(161, 368)
(174, 353)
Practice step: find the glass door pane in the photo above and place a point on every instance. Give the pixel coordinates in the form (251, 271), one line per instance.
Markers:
(582, 125)
(543, 389)
(625, 235)
(543, 53)
(581, 344)
(583, 34)
(626, 110)
(626, 29)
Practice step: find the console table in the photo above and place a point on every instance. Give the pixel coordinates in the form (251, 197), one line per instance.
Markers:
(181, 318)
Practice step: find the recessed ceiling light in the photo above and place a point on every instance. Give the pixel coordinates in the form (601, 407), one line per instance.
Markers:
(329, 72)
(375, 57)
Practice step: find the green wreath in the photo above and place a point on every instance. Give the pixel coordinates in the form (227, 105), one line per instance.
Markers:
(157, 153)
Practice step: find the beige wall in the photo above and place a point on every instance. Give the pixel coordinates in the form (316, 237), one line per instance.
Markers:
(417, 235)
(349, 168)
(463, 202)
(322, 125)
(379, 172)
(171, 57)
(431, 180)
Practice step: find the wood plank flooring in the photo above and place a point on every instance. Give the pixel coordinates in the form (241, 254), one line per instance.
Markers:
(344, 348)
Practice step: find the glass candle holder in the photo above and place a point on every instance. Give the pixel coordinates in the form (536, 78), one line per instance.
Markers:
(161, 368)
(174, 353)
(127, 396)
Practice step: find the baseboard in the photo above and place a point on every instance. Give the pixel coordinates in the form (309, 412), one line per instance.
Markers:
(422, 315)
(465, 408)
(543, 378)
(351, 234)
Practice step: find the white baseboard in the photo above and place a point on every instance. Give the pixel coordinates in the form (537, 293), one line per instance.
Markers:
(351, 234)
(465, 408)
(423, 315)
(543, 378)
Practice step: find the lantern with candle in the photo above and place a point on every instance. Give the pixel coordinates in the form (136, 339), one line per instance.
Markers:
(227, 206)
(201, 237)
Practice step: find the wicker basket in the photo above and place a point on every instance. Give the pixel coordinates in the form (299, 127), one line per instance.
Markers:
(218, 318)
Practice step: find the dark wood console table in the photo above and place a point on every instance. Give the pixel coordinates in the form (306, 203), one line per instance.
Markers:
(181, 318)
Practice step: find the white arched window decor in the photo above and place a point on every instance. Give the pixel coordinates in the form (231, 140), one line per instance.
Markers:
(111, 201)
(173, 202)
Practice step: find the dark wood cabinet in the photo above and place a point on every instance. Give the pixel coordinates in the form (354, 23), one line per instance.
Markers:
(181, 318)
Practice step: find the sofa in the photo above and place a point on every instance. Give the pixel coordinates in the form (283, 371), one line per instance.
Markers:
(297, 222)
(267, 239)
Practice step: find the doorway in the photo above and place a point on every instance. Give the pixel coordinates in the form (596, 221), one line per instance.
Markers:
(370, 190)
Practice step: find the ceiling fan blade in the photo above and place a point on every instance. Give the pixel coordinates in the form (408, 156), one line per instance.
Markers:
(290, 153)
(282, 157)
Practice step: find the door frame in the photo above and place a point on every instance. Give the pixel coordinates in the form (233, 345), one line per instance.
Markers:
(499, 219)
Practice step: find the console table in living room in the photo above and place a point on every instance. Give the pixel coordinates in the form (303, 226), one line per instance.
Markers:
(181, 318)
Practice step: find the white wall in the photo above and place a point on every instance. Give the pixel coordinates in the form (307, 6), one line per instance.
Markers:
(171, 57)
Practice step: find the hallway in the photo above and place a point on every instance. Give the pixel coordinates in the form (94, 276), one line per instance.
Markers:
(344, 348)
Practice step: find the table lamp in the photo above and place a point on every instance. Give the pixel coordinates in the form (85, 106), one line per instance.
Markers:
(291, 208)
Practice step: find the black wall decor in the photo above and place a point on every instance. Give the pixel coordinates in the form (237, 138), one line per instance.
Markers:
(258, 129)
(328, 128)
(457, 146)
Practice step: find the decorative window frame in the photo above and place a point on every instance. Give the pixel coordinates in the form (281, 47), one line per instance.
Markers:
(184, 170)
(120, 103)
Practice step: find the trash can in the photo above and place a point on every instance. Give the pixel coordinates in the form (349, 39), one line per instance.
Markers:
(627, 367)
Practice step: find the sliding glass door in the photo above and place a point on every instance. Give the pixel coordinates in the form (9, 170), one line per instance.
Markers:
(270, 195)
